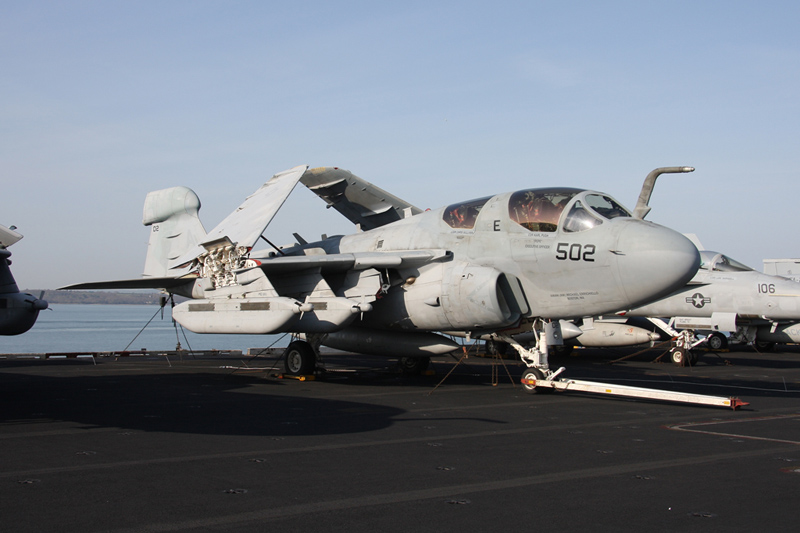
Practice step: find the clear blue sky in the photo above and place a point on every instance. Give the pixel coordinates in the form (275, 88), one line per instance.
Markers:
(101, 102)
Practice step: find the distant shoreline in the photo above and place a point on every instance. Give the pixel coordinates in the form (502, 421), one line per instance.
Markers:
(97, 297)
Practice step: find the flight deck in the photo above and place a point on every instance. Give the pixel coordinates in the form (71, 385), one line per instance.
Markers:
(220, 443)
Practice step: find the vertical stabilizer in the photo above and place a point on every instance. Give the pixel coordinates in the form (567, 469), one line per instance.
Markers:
(7, 283)
(175, 228)
(7, 237)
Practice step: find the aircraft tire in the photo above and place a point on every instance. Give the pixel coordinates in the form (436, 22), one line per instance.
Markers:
(678, 356)
(494, 347)
(717, 341)
(413, 366)
(561, 350)
(765, 346)
(300, 359)
(534, 373)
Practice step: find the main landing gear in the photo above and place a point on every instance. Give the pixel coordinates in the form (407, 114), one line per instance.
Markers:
(413, 366)
(300, 359)
(717, 341)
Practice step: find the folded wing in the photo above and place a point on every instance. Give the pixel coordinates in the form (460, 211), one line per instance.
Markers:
(359, 201)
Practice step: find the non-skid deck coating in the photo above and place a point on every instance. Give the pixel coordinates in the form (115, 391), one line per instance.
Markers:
(143, 444)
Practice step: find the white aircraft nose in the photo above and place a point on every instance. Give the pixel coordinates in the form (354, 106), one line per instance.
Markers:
(653, 261)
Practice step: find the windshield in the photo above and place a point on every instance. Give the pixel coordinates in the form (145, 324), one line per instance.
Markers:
(539, 209)
(606, 206)
(580, 219)
(463, 215)
(718, 262)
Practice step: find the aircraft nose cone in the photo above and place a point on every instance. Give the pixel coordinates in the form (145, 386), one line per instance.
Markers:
(653, 261)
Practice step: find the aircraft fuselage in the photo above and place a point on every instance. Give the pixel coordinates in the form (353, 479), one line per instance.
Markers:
(502, 269)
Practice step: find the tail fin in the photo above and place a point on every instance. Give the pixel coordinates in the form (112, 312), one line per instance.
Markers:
(7, 283)
(175, 228)
(7, 237)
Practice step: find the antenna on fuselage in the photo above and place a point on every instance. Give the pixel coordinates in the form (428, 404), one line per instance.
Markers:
(642, 205)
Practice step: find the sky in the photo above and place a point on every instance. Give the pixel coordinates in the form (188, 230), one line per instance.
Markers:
(436, 102)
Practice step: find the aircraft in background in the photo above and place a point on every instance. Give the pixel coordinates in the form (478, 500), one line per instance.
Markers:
(724, 296)
(788, 268)
(500, 265)
(18, 311)
(728, 296)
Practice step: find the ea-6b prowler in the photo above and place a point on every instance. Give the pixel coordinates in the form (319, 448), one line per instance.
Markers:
(504, 264)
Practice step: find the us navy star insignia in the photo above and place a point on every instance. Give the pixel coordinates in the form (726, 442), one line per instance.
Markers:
(698, 300)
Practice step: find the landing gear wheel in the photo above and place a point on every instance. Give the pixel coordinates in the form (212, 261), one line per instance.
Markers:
(765, 346)
(683, 357)
(678, 356)
(717, 341)
(533, 375)
(413, 366)
(494, 347)
(300, 359)
(561, 350)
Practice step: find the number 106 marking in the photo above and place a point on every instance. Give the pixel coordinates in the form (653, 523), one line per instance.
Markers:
(766, 288)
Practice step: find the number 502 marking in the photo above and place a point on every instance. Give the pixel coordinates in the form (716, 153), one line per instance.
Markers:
(575, 252)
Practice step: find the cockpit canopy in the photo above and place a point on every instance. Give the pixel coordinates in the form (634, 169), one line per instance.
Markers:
(717, 262)
(541, 210)
(463, 215)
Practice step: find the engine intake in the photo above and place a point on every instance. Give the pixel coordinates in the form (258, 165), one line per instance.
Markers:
(455, 296)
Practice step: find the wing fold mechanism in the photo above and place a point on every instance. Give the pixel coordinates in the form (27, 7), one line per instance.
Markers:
(361, 202)
(236, 235)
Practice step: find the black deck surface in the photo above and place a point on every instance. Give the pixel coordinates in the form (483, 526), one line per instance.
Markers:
(145, 444)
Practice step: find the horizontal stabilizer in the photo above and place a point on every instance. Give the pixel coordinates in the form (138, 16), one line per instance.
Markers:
(138, 283)
(8, 236)
(358, 200)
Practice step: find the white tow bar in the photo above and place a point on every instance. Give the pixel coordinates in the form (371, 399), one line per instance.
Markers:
(531, 382)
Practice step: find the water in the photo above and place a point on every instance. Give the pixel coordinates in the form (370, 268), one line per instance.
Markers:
(106, 328)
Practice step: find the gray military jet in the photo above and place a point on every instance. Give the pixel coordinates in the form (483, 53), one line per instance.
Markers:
(18, 311)
(504, 264)
(788, 268)
(728, 296)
